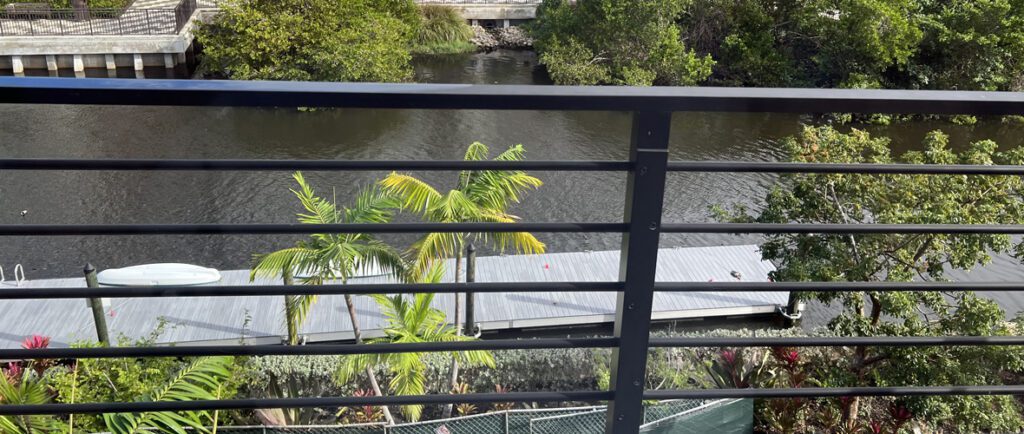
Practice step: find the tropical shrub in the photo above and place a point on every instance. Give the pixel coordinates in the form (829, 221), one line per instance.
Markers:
(616, 42)
(324, 40)
(442, 31)
(291, 377)
(109, 379)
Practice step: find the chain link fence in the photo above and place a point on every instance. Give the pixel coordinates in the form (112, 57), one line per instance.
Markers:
(675, 417)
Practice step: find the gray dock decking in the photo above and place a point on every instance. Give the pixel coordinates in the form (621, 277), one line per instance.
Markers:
(217, 320)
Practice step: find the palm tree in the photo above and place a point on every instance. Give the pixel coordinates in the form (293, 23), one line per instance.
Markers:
(479, 196)
(331, 257)
(411, 321)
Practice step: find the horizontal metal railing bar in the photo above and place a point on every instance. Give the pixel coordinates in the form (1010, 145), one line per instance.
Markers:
(822, 392)
(34, 293)
(31, 293)
(397, 228)
(42, 90)
(297, 228)
(42, 293)
(834, 286)
(305, 350)
(803, 228)
(886, 341)
(245, 404)
(567, 165)
(854, 168)
(317, 165)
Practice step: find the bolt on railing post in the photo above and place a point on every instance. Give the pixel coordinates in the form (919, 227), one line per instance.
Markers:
(96, 305)
(645, 193)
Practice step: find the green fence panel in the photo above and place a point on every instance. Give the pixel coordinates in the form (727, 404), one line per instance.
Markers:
(728, 417)
(476, 424)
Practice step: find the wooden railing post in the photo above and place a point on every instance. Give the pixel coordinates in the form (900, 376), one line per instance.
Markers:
(96, 304)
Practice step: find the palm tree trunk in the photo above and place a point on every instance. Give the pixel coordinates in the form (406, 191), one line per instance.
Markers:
(454, 380)
(289, 311)
(357, 333)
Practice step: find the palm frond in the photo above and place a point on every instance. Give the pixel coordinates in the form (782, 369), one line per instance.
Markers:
(475, 152)
(375, 253)
(318, 210)
(197, 381)
(498, 189)
(373, 205)
(299, 307)
(416, 196)
(25, 391)
(454, 207)
(272, 265)
(431, 247)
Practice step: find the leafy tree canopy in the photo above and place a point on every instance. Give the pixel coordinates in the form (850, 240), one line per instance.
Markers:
(928, 44)
(616, 42)
(802, 42)
(323, 40)
(903, 199)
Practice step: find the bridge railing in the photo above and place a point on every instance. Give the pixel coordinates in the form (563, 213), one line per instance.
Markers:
(647, 167)
(45, 21)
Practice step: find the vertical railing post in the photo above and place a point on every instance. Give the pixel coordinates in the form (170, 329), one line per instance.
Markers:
(645, 193)
(96, 304)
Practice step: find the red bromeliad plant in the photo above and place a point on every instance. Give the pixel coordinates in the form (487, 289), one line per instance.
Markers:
(731, 369)
(786, 415)
(501, 406)
(363, 413)
(900, 416)
(36, 342)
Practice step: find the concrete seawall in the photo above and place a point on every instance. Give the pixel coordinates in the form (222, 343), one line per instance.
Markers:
(152, 45)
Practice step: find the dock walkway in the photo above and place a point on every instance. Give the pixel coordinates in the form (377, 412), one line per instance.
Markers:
(219, 320)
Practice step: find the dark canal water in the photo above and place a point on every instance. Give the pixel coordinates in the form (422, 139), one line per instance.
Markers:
(263, 197)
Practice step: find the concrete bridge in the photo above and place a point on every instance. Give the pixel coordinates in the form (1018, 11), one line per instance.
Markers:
(154, 33)
(491, 13)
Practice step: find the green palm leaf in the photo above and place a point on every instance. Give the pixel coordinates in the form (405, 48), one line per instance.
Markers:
(200, 380)
(26, 390)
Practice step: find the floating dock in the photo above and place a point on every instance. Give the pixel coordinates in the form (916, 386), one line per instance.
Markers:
(259, 320)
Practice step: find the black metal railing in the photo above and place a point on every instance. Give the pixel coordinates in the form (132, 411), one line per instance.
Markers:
(44, 21)
(647, 168)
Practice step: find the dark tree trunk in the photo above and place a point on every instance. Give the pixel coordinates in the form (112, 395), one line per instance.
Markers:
(81, 8)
